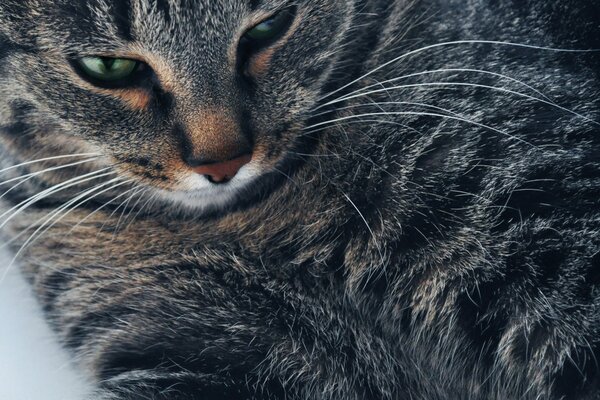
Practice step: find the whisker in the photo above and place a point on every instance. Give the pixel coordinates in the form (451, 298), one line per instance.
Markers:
(366, 224)
(143, 191)
(431, 72)
(48, 159)
(56, 211)
(50, 191)
(72, 204)
(57, 215)
(454, 43)
(389, 103)
(474, 85)
(97, 210)
(30, 176)
(286, 175)
(414, 113)
(149, 203)
(124, 204)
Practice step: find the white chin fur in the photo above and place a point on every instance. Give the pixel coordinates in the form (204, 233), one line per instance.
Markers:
(195, 193)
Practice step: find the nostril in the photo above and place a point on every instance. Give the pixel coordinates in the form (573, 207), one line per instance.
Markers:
(223, 171)
(211, 179)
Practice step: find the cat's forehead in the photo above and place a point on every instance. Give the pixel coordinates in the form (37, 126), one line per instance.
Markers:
(202, 11)
(151, 20)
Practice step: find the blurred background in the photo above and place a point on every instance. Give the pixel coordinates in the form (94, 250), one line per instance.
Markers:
(32, 364)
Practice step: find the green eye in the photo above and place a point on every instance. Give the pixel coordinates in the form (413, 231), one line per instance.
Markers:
(108, 69)
(271, 28)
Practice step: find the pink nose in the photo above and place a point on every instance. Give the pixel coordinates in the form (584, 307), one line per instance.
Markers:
(224, 171)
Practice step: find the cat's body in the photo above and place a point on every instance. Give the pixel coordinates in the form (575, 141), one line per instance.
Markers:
(448, 255)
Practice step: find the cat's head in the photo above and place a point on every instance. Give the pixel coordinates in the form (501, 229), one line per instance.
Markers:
(195, 98)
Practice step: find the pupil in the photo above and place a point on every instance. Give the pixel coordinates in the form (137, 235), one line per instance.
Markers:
(108, 63)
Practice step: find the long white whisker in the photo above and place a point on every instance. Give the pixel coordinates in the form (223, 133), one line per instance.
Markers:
(452, 43)
(366, 224)
(65, 209)
(124, 204)
(30, 176)
(351, 117)
(152, 198)
(72, 204)
(50, 191)
(388, 103)
(289, 178)
(431, 72)
(474, 85)
(142, 189)
(47, 170)
(49, 216)
(48, 159)
(136, 189)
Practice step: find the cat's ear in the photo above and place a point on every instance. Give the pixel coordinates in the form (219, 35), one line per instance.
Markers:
(16, 18)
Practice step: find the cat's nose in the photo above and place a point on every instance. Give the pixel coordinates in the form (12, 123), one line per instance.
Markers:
(215, 145)
(223, 171)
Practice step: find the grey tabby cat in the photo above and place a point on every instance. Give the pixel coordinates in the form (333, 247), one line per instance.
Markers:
(311, 200)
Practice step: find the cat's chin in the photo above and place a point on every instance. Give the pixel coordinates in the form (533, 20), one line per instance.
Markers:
(203, 201)
(196, 196)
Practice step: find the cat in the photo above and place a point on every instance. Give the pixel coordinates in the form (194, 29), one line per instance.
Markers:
(324, 199)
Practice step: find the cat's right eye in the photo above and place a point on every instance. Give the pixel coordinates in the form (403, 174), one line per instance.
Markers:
(108, 70)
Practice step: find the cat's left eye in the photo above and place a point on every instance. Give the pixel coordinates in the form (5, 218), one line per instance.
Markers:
(108, 70)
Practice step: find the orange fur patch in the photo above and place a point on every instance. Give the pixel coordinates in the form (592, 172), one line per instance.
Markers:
(259, 64)
(138, 99)
(215, 135)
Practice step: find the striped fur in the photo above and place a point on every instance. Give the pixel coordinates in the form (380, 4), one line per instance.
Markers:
(440, 240)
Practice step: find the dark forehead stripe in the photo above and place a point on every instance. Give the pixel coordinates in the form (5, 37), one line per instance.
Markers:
(122, 15)
(163, 6)
(72, 12)
(254, 4)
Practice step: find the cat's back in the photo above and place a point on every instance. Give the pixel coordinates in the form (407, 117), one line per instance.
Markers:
(497, 290)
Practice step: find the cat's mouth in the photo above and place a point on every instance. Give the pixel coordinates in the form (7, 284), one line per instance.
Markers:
(222, 172)
(216, 186)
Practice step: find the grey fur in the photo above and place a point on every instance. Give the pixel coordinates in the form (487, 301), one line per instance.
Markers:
(452, 254)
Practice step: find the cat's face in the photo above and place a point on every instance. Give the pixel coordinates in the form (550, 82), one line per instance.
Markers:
(195, 98)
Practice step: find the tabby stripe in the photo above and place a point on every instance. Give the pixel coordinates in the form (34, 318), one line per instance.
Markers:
(254, 4)
(17, 126)
(54, 285)
(163, 7)
(123, 14)
(6, 48)
(89, 323)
